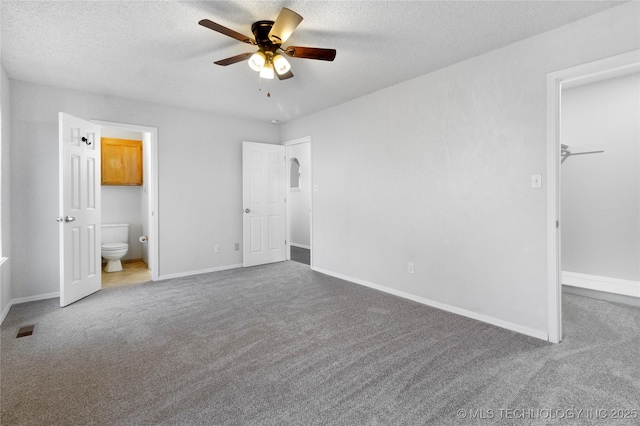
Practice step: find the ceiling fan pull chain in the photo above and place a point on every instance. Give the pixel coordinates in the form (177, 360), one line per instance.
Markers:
(260, 86)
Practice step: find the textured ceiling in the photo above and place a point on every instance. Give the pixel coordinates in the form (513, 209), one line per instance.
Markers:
(156, 51)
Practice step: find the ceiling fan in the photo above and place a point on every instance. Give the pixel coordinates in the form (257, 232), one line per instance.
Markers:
(269, 36)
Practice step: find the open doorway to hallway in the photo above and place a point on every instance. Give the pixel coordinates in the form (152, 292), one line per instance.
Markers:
(299, 189)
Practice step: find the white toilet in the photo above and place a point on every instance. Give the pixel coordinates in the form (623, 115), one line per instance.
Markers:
(114, 244)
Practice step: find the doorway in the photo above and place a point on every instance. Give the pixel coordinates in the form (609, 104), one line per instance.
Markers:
(135, 205)
(591, 72)
(126, 204)
(600, 188)
(299, 200)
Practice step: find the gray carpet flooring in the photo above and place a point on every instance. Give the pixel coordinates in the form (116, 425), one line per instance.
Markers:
(284, 345)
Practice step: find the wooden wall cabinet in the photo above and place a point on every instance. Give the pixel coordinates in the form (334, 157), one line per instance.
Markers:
(121, 162)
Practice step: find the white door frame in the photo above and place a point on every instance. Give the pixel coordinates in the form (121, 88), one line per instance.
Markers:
(305, 139)
(590, 72)
(152, 185)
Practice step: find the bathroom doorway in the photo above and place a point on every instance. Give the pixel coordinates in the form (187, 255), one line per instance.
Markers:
(135, 205)
(299, 200)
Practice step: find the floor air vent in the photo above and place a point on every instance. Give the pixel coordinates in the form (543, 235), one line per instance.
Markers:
(27, 330)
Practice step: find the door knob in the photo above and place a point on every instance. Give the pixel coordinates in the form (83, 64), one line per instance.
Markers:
(66, 219)
(247, 210)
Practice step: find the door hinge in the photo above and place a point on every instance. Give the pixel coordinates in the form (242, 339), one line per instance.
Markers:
(557, 224)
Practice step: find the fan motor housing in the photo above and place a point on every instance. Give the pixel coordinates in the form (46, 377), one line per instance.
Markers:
(260, 30)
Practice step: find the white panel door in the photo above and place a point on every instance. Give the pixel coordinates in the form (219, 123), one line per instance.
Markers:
(80, 219)
(263, 195)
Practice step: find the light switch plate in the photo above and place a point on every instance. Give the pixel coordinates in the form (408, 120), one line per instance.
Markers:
(536, 181)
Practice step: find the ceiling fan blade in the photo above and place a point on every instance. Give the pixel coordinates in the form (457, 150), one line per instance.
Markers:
(234, 59)
(285, 76)
(311, 53)
(285, 24)
(226, 31)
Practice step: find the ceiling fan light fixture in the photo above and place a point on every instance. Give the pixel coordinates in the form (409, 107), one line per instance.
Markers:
(281, 64)
(269, 61)
(267, 72)
(257, 61)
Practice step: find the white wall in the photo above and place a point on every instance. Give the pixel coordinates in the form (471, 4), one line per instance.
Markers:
(199, 189)
(436, 171)
(124, 204)
(601, 192)
(299, 199)
(5, 179)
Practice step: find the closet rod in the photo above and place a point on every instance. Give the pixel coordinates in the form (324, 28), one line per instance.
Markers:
(565, 153)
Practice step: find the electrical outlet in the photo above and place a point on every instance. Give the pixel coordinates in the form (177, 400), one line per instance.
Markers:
(410, 268)
(217, 249)
(237, 246)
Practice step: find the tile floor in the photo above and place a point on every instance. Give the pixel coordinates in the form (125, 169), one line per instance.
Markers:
(133, 271)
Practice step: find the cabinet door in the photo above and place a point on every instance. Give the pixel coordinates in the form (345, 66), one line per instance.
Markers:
(132, 164)
(121, 162)
(111, 163)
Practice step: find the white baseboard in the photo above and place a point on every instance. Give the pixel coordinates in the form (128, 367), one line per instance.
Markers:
(201, 271)
(4, 274)
(5, 312)
(598, 283)
(35, 298)
(300, 246)
(20, 300)
(601, 295)
(539, 334)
